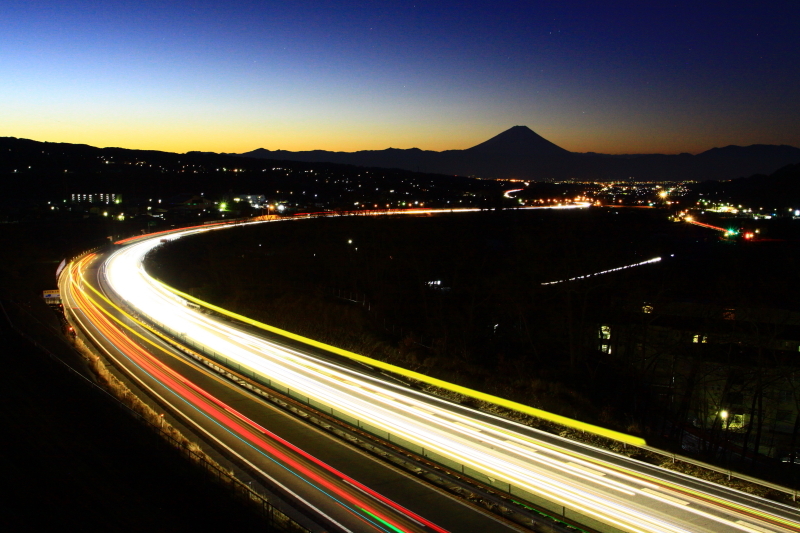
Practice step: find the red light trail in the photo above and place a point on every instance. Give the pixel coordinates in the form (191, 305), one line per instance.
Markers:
(238, 424)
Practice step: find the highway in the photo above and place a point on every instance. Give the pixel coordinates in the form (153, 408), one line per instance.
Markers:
(239, 423)
(606, 491)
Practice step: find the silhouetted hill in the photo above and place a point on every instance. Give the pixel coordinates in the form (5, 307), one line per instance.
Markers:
(780, 190)
(753, 151)
(41, 169)
(521, 153)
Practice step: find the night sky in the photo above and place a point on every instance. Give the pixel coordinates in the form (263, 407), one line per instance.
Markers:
(613, 77)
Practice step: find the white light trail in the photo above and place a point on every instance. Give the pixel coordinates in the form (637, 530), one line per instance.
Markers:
(577, 482)
(609, 271)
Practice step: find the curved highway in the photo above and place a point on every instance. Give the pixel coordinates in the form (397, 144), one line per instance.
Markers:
(602, 490)
(238, 423)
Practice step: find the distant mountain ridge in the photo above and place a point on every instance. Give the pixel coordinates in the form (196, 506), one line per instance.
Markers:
(779, 189)
(520, 153)
(35, 169)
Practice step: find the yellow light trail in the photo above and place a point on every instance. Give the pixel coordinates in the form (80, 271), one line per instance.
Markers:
(500, 453)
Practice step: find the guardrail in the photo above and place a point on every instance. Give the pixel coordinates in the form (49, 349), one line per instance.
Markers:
(725, 471)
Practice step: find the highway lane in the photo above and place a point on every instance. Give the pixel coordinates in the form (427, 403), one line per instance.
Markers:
(343, 499)
(611, 489)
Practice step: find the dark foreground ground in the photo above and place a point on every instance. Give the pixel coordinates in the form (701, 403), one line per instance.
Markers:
(70, 459)
(73, 461)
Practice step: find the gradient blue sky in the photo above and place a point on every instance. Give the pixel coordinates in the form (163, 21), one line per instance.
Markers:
(613, 77)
